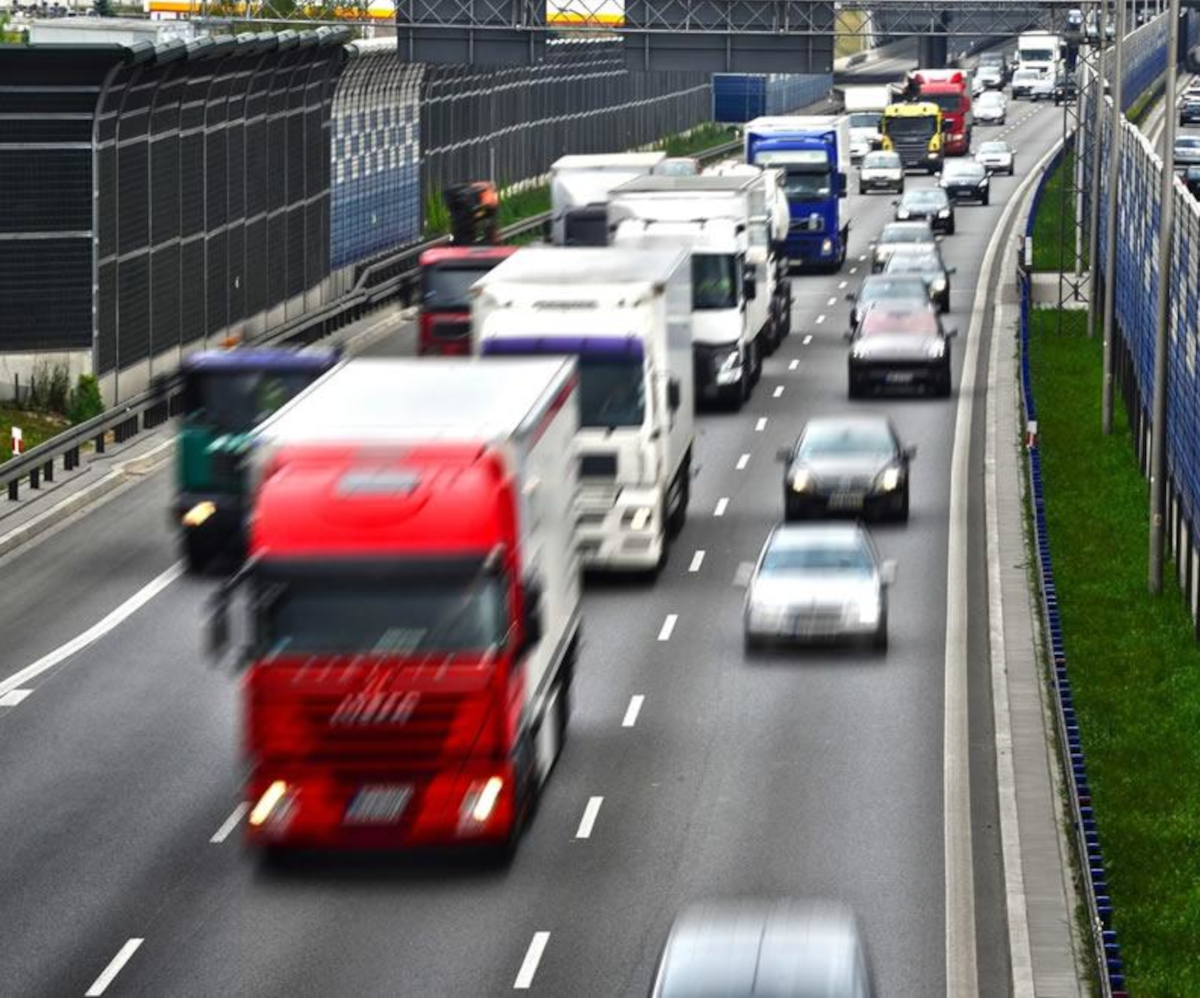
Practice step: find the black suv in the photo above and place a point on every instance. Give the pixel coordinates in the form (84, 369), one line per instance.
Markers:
(932, 205)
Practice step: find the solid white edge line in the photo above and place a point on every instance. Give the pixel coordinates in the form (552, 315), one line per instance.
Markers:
(761, 425)
(697, 561)
(722, 504)
(668, 626)
(743, 461)
(632, 712)
(114, 967)
(962, 972)
(97, 631)
(1020, 950)
(590, 812)
(530, 964)
(226, 828)
(11, 699)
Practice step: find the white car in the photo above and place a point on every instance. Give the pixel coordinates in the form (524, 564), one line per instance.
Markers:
(818, 583)
(991, 108)
(881, 171)
(1032, 84)
(998, 156)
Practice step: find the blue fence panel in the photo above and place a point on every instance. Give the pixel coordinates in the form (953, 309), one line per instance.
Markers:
(739, 97)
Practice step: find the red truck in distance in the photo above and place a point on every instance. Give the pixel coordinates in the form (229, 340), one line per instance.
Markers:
(950, 90)
(446, 275)
(414, 596)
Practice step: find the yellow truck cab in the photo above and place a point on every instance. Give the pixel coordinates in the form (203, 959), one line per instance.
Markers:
(916, 132)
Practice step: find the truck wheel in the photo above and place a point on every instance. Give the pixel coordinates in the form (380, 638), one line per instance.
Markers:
(755, 361)
(197, 553)
(678, 496)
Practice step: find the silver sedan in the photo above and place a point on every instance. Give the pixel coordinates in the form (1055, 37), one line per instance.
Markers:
(818, 583)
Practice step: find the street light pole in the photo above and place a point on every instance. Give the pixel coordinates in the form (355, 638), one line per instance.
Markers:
(1094, 126)
(1158, 427)
(1110, 221)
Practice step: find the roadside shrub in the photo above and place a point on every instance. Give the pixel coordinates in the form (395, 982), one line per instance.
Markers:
(86, 401)
(49, 388)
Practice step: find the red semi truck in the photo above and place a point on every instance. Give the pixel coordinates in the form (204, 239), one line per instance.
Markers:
(950, 90)
(446, 275)
(414, 596)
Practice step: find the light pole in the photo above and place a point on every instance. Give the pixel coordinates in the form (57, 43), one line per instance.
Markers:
(1097, 120)
(1110, 221)
(1158, 428)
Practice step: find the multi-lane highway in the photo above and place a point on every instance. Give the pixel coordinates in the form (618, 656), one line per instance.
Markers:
(690, 770)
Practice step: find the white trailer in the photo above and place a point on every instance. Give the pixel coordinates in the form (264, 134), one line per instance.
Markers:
(579, 187)
(864, 109)
(626, 316)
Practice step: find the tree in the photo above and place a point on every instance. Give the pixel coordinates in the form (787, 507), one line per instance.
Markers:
(103, 8)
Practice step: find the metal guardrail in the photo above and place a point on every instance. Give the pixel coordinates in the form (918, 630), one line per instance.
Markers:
(395, 276)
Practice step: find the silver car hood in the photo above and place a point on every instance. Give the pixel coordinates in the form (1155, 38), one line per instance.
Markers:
(825, 590)
(898, 347)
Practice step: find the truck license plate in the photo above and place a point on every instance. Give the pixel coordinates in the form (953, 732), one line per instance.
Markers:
(378, 804)
(845, 501)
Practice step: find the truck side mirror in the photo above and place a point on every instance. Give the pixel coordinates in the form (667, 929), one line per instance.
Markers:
(531, 617)
(910, 452)
(750, 286)
(841, 184)
(674, 394)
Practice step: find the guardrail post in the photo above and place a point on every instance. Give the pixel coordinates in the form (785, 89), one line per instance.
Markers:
(13, 489)
(100, 443)
(48, 471)
(34, 479)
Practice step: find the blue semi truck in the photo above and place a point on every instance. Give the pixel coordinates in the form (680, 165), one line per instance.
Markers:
(814, 152)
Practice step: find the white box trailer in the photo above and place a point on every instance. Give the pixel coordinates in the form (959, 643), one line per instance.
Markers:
(579, 187)
(864, 108)
(626, 316)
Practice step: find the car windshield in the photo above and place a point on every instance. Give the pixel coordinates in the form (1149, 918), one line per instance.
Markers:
(786, 558)
(714, 281)
(906, 234)
(1187, 141)
(445, 287)
(914, 263)
(990, 99)
(865, 119)
(845, 439)
(238, 401)
(993, 147)
(612, 391)
(962, 170)
(920, 127)
(881, 161)
(1036, 55)
(925, 198)
(878, 289)
(397, 617)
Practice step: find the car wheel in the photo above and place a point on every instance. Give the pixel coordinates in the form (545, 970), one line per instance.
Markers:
(861, 190)
(900, 187)
(197, 553)
(1012, 168)
(681, 493)
(953, 228)
(987, 199)
(792, 511)
(853, 390)
(945, 302)
(943, 390)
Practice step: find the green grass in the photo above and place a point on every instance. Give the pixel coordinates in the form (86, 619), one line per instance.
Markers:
(697, 141)
(1134, 664)
(35, 428)
(1054, 227)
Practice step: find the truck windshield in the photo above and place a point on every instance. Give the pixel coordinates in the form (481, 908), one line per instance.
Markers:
(235, 402)
(911, 128)
(714, 281)
(947, 102)
(446, 287)
(1036, 55)
(586, 227)
(865, 119)
(804, 185)
(385, 617)
(612, 391)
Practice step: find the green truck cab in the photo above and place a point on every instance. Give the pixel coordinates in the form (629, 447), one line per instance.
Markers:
(226, 395)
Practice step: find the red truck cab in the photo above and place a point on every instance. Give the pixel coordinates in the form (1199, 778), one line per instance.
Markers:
(950, 90)
(446, 275)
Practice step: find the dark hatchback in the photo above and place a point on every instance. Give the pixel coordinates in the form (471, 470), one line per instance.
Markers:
(931, 205)
(911, 288)
(966, 180)
(852, 465)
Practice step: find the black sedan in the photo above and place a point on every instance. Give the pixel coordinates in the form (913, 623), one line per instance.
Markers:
(966, 180)
(1191, 180)
(930, 267)
(847, 465)
(886, 288)
(931, 205)
(900, 349)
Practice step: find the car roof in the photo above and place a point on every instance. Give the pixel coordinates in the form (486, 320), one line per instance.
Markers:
(906, 226)
(885, 318)
(799, 535)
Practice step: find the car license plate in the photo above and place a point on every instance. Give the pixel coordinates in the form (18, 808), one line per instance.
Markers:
(845, 501)
(899, 378)
(378, 804)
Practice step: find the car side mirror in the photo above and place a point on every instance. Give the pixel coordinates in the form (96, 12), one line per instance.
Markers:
(951, 270)
(784, 455)
(895, 201)
(531, 616)
(674, 394)
(887, 572)
(910, 452)
(849, 296)
(951, 333)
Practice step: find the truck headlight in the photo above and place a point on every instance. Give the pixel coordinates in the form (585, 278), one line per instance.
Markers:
(939, 285)
(801, 480)
(889, 479)
(198, 514)
(638, 518)
(826, 247)
(944, 213)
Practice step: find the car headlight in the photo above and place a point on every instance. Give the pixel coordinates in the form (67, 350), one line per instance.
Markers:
(869, 610)
(939, 284)
(983, 183)
(944, 213)
(937, 349)
(638, 518)
(902, 213)
(889, 479)
(730, 361)
(801, 480)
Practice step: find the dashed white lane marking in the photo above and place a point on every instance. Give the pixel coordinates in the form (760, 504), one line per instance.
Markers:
(631, 713)
(862, 258)
(761, 425)
(230, 824)
(778, 391)
(668, 626)
(114, 967)
(14, 697)
(807, 339)
(821, 318)
(742, 462)
(97, 631)
(854, 270)
(720, 508)
(532, 957)
(793, 364)
(832, 301)
(697, 561)
(590, 812)
(841, 284)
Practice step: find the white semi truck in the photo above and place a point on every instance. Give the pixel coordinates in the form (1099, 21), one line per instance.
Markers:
(724, 223)
(626, 316)
(864, 106)
(579, 187)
